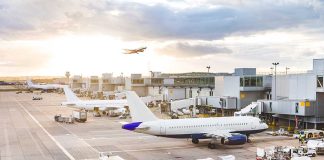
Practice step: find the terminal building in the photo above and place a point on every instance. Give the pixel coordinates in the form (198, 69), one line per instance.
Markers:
(108, 83)
(300, 97)
(296, 96)
(245, 85)
(76, 82)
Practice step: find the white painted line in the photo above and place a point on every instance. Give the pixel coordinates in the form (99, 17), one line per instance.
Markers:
(7, 150)
(151, 149)
(133, 137)
(72, 134)
(49, 135)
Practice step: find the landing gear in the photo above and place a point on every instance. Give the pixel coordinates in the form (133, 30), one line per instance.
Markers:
(195, 141)
(248, 140)
(211, 145)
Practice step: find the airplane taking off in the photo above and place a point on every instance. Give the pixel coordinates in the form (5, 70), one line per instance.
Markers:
(230, 130)
(134, 51)
(103, 105)
(31, 85)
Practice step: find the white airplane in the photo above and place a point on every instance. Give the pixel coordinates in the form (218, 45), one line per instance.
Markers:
(230, 130)
(31, 85)
(134, 51)
(103, 105)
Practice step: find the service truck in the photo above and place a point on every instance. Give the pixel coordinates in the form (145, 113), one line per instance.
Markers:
(80, 116)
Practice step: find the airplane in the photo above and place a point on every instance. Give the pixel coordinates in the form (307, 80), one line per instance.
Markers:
(31, 85)
(230, 130)
(134, 51)
(116, 107)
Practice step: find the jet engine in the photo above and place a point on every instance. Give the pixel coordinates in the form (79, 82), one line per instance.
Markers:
(236, 139)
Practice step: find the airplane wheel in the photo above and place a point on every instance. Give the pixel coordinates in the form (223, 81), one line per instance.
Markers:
(321, 134)
(195, 141)
(248, 140)
(211, 146)
(310, 135)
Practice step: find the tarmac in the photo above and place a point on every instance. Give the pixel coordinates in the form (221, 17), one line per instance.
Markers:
(28, 131)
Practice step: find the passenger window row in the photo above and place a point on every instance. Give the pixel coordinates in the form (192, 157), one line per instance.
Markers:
(211, 125)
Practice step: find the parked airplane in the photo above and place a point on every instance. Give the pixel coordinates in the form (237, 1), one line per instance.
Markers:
(103, 105)
(230, 130)
(134, 51)
(31, 85)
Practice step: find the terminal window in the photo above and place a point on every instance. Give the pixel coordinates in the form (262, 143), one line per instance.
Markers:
(94, 81)
(252, 81)
(137, 81)
(157, 81)
(320, 81)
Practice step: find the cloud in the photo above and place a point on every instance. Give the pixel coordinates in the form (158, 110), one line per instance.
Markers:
(208, 20)
(160, 21)
(309, 53)
(185, 49)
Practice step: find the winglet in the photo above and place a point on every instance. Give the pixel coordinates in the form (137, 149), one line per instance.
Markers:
(30, 83)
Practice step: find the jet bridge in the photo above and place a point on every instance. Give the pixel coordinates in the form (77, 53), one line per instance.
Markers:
(221, 102)
(254, 107)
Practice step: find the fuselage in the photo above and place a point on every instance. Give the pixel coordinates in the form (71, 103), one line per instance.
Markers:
(101, 104)
(45, 87)
(187, 128)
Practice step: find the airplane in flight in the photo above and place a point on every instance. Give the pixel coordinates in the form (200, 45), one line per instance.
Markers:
(134, 51)
(229, 130)
(117, 106)
(46, 87)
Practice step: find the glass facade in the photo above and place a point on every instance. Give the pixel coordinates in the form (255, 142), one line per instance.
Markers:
(199, 81)
(157, 81)
(187, 81)
(320, 81)
(251, 81)
(94, 81)
(137, 81)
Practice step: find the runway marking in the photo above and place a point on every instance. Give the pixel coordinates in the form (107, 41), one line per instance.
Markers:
(48, 134)
(151, 149)
(101, 138)
(95, 150)
(6, 142)
(72, 134)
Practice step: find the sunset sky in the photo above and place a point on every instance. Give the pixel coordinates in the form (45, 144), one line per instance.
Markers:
(49, 37)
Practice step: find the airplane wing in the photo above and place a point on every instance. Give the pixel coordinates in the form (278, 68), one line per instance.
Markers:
(219, 134)
(109, 108)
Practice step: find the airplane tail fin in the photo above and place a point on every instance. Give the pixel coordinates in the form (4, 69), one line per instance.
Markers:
(70, 96)
(30, 83)
(138, 110)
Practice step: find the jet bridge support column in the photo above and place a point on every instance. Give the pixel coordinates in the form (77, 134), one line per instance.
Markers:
(194, 107)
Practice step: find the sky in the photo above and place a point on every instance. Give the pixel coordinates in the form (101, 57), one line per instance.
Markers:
(87, 37)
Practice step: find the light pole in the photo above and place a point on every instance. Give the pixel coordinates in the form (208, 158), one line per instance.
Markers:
(287, 70)
(275, 89)
(208, 67)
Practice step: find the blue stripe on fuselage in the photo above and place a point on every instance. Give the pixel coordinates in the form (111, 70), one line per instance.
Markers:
(131, 126)
(202, 135)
